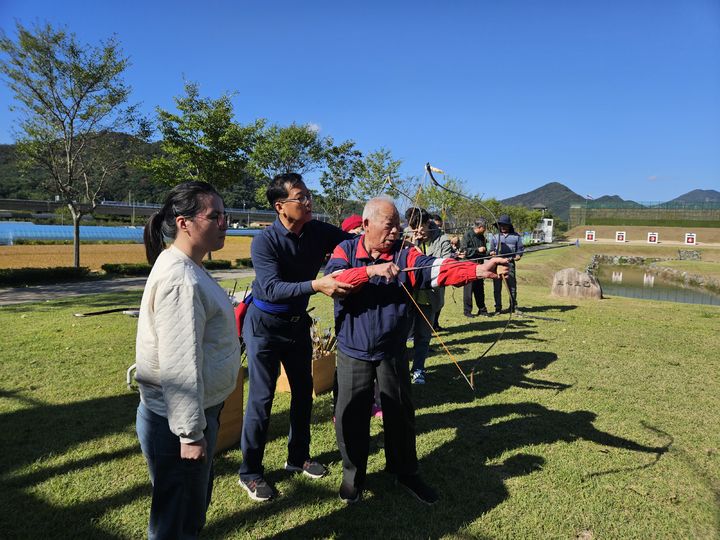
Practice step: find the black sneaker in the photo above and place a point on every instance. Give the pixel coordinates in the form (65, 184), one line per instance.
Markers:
(417, 488)
(310, 468)
(470, 315)
(483, 312)
(258, 490)
(349, 494)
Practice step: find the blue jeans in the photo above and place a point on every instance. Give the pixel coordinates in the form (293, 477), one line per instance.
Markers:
(422, 334)
(270, 340)
(181, 488)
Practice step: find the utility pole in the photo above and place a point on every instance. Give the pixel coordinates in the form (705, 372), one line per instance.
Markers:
(132, 206)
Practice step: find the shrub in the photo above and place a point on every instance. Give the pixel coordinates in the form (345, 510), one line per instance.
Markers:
(218, 264)
(245, 262)
(127, 269)
(40, 276)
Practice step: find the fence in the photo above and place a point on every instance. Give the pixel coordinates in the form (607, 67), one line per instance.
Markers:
(651, 214)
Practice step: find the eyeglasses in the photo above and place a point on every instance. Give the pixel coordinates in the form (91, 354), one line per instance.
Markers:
(302, 199)
(221, 219)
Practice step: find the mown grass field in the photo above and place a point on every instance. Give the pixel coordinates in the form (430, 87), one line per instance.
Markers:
(601, 425)
(95, 255)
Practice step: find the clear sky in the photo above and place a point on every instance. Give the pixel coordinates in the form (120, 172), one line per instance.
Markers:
(606, 96)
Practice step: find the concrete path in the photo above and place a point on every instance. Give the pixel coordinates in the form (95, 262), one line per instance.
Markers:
(42, 293)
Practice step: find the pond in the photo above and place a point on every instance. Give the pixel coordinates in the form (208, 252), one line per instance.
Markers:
(636, 282)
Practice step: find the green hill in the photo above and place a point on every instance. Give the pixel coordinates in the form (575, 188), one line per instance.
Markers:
(554, 196)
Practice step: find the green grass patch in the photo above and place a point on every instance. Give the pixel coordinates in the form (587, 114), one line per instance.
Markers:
(709, 269)
(602, 424)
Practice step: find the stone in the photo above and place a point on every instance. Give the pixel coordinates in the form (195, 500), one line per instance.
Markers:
(689, 255)
(573, 283)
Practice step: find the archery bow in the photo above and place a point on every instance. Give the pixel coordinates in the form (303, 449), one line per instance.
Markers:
(429, 169)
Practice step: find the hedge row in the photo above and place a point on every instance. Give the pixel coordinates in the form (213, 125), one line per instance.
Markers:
(17, 277)
(218, 264)
(127, 269)
(143, 269)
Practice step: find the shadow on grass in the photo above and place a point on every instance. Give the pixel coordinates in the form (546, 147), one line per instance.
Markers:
(469, 485)
(541, 309)
(42, 432)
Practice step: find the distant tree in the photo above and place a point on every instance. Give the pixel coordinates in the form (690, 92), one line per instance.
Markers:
(373, 174)
(343, 166)
(71, 98)
(278, 150)
(438, 200)
(202, 141)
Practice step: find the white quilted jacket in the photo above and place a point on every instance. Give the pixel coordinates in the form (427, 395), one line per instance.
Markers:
(187, 349)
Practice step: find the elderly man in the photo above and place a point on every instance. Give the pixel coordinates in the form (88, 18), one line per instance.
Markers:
(372, 326)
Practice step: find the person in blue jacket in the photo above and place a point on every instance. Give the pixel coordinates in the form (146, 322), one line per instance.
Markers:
(286, 257)
(502, 244)
(372, 324)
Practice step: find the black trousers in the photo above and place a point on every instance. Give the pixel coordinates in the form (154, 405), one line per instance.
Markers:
(270, 340)
(512, 285)
(352, 415)
(474, 289)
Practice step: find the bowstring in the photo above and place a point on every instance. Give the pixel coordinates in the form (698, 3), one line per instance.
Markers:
(428, 171)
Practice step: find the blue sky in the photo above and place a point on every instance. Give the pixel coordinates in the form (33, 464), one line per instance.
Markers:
(608, 97)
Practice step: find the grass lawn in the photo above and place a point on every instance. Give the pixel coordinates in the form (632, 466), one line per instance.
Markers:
(709, 269)
(602, 425)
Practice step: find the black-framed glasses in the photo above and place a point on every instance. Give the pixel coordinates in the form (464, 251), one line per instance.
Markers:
(302, 199)
(222, 219)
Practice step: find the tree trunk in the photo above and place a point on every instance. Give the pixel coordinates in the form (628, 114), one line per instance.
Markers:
(76, 239)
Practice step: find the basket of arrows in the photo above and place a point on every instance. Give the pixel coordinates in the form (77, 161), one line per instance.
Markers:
(323, 361)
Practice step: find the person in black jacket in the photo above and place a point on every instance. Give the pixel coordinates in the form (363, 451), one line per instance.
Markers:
(472, 247)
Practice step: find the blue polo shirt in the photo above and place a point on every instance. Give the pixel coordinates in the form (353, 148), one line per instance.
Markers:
(286, 263)
(509, 243)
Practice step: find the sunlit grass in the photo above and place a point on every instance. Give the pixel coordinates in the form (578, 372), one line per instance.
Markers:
(603, 423)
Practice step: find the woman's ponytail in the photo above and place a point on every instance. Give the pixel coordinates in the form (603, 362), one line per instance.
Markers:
(153, 237)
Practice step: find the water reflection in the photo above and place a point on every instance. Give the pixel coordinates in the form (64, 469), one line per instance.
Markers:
(636, 282)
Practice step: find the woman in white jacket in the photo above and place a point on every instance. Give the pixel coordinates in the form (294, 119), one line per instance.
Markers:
(187, 356)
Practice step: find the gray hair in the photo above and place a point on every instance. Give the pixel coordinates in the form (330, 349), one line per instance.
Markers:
(371, 207)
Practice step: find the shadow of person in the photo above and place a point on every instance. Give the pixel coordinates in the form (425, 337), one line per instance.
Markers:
(540, 309)
(385, 511)
(491, 375)
(466, 441)
(40, 432)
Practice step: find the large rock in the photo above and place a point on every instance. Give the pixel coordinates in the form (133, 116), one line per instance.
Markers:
(570, 282)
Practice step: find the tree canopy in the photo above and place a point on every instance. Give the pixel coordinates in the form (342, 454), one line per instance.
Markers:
(71, 96)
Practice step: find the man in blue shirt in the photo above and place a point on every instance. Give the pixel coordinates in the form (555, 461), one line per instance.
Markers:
(286, 257)
(509, 242)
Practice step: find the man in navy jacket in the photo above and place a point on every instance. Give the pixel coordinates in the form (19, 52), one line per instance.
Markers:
(286, 257)
(371, 324)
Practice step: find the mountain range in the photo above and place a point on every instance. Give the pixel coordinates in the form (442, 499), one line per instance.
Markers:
(558, 198)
